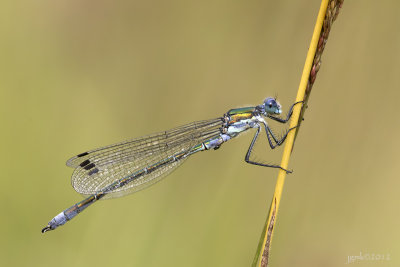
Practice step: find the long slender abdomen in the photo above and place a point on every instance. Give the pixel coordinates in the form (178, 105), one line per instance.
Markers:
(71, 212)
(74, 210)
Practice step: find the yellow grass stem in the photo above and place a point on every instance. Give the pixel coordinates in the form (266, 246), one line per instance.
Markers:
(324, 20)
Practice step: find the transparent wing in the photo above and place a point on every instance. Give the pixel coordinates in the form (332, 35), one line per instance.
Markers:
(98, 168)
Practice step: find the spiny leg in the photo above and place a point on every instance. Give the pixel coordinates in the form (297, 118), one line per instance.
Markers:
(288, 115)
(247, 158)
(278, 142)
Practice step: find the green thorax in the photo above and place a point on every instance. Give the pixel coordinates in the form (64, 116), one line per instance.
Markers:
(241, 111)
(239, 114)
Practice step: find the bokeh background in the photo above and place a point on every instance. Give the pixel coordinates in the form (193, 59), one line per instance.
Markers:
(76, 75)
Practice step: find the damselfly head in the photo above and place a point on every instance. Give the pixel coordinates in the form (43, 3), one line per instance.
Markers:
(272, 106)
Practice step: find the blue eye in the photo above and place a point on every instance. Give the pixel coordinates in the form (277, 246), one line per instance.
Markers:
(272, 106)
(270, 102)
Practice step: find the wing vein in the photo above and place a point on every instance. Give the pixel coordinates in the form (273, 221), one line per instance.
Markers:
(98, 168)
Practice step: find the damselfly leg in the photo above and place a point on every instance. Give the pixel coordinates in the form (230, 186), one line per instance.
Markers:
(288, 115)
(270, 135)
(278, 143)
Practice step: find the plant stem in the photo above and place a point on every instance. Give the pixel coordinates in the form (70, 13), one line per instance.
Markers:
(327, 14)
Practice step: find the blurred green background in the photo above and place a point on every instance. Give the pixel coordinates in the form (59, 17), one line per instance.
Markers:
(76, 75)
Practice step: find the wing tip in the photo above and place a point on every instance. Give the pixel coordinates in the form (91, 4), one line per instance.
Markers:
(72, 161)
(82, 154)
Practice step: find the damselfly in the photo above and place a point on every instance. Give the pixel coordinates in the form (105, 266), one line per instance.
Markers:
(133, 165)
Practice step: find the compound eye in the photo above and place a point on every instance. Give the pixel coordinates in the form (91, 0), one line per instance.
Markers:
(272, 106)
(271, 102)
